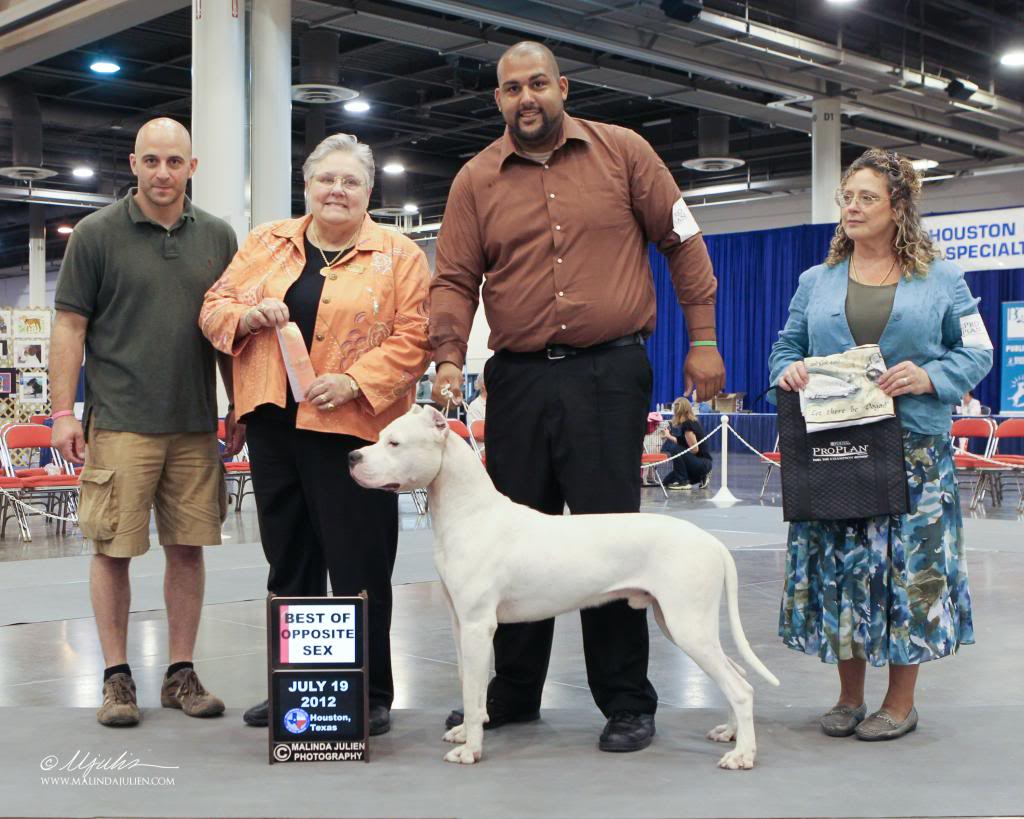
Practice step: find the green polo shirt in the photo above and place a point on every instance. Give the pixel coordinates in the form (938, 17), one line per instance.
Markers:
(148, 368)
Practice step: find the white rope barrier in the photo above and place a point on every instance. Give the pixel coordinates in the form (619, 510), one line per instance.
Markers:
(36, 511)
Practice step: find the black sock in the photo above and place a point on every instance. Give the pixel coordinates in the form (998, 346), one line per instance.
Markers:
(124, 668)
(174, 668)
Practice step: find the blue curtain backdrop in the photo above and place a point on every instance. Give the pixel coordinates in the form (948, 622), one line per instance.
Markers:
(757, 276)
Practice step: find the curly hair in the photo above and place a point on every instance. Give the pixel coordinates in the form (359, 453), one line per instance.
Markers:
(913, 245)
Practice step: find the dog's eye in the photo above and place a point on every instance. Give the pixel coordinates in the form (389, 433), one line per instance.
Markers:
(392, 443)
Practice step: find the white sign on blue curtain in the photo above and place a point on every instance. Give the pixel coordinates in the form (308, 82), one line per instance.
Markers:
(982, 240)
(1012, 387)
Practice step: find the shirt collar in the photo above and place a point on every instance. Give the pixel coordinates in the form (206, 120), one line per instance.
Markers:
(371, 235)
(135, 212)
(571, 129)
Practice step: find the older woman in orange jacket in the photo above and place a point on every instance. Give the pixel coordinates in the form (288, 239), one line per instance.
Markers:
(358, 295)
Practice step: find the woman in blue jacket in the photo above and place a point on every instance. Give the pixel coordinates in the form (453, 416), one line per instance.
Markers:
(886, 590)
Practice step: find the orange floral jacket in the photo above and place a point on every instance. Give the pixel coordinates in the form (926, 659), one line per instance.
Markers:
(371, 324)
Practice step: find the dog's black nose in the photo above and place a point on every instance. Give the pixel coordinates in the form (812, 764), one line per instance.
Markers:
(354, 458)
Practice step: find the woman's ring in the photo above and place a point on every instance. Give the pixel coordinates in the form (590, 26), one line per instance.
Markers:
(329, 406)
(906, 381)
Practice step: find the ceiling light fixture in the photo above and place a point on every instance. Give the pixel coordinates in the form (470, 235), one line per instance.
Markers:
(83, 172)
(102, 65)
(409, 207)
(924, 164)
(393, 168)
(841, 2)
(1013, 57)
(356, 107)
(65, 230)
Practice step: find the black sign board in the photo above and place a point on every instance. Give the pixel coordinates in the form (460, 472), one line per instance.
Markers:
(318, 693)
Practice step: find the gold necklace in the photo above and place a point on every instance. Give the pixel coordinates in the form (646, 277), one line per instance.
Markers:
(328, 265)
(856, 278)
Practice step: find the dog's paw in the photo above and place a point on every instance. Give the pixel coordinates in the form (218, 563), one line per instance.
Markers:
(463, 755)
(456, 734)
(722, 733)
(737, 760)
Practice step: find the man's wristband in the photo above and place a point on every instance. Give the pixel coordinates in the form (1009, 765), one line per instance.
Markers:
(703, 343)
(61, 414)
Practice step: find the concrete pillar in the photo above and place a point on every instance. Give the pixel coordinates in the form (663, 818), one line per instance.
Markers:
(37, 256)
(270, 56)
(826, 160)
(219, 124)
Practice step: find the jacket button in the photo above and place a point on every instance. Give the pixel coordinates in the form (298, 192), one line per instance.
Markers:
(319, 336)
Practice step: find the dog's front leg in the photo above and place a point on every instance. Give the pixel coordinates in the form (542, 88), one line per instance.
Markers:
(476, 654)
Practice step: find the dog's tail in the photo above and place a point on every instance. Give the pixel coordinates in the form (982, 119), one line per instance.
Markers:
(732, 602)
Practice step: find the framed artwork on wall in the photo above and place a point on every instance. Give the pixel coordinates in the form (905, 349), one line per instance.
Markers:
(32, 324)
(33, 388)
(30, 354)
(8, 382)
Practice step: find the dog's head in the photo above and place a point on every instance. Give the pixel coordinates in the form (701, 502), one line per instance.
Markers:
(407, 455)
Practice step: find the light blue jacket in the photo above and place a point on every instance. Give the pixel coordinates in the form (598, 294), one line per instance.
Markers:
(924, 328)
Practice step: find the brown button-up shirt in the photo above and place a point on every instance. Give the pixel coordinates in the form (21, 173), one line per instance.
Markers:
(561, 247)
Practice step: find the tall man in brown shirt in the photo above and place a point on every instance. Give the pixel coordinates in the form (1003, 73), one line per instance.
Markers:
(553, 220)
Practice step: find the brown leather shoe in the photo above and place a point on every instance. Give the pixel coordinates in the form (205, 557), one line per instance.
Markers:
(183, 690)
(120, 708)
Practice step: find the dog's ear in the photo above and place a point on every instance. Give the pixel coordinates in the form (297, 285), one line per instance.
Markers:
(438, 420)
(415, 409)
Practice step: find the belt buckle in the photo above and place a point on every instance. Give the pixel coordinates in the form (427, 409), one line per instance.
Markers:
(552, 356)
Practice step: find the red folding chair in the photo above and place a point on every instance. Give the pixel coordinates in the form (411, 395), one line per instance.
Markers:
(58, 492)
(970, 466)
(1010, 467)
(237, 470)
(775, 458)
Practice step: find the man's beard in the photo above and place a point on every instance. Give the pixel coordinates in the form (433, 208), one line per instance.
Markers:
(546, 129)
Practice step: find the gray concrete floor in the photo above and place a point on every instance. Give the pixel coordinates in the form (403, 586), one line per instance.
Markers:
(971, 705)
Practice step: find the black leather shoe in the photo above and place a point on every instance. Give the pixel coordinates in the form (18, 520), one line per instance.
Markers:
(627, 731)
(380, 720)
(498, 713)
(258, 716)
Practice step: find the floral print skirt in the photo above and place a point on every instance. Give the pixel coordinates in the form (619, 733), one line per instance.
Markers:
(887, 589)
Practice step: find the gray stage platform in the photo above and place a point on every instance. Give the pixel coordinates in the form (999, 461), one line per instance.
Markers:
(546, 769)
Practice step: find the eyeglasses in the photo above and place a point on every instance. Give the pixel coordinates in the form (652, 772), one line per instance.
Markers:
(865, 199)
(348, 183)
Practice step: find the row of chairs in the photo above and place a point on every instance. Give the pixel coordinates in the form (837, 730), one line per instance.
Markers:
(990, 471)
(976, 470)
(28, 488)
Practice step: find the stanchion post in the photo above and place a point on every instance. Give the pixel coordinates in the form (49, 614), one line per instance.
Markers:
(723, 495)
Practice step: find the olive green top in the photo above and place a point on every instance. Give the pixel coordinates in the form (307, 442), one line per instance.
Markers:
(148, 368)
(867, 310)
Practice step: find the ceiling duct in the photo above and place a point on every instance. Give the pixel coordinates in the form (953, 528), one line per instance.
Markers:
(392, 196)
(713, 146)
(318, 69)
(27, 133)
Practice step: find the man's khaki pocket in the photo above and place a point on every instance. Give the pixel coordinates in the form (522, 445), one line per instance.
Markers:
(97, 509)
(222, 494)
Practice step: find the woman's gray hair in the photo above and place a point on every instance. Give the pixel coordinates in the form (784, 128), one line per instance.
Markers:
(345, 143)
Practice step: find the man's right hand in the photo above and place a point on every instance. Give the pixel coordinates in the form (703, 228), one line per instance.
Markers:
(68, 439)
(450, 376)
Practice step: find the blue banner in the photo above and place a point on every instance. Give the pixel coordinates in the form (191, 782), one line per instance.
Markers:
(1012, 388)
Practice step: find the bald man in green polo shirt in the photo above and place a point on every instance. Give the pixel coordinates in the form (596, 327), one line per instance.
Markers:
(128, 296)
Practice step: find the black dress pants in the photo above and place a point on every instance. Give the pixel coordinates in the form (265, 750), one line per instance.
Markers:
(571, 432)
(316, 521)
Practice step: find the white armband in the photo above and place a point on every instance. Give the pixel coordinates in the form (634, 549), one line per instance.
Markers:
(973, 332)
(683, 223)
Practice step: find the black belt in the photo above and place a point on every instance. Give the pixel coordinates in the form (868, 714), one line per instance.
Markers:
(555, 352)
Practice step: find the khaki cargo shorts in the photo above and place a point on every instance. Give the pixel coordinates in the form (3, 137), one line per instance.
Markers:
(128, 473)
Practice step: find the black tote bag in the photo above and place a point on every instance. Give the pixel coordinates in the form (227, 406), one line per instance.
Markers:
(853, 472)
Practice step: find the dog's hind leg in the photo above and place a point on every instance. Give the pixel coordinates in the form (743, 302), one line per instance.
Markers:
(698, 637)
(476, 640)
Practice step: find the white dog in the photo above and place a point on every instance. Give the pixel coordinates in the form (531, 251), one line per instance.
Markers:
(501, 562)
